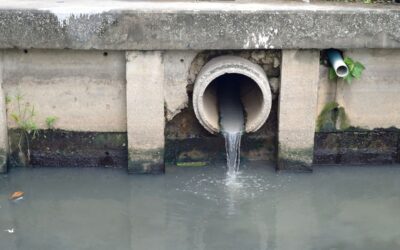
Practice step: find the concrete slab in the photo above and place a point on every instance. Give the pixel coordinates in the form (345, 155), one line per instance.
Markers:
(297, 109)
(166, 25)
(145, 111)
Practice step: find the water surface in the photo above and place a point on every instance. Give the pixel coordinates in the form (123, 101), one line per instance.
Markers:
(193, 208)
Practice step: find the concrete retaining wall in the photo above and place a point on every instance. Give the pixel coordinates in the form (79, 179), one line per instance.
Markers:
(107, 92)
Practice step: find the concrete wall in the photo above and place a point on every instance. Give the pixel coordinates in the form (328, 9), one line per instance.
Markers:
(372, 101)
(69, 84)
(85, 90)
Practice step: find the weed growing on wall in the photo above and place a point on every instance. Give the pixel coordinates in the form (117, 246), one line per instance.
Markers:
(23, 115)
(355, 70)
(50, 121)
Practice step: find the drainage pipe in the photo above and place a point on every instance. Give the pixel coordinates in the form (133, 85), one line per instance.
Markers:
(336, 60)
(255, 92)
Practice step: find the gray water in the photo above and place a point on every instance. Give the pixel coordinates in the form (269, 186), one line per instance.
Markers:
(354, 208)
(231, 123)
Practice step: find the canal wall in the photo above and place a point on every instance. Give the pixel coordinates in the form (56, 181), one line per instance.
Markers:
(113, 87)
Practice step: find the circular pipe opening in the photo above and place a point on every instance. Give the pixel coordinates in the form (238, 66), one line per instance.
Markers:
(342, 71)
(255, 93)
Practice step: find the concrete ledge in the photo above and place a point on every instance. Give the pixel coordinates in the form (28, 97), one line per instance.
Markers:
(115, 25)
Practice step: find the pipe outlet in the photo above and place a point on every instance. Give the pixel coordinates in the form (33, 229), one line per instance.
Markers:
(336, 60)
(255, 92)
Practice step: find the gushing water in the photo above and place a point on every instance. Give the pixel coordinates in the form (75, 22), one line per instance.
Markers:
(232, 145)
(232, 123)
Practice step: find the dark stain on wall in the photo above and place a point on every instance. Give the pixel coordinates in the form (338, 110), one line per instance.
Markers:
(378, 146)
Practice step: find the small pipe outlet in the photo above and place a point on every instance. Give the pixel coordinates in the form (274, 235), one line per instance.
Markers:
(255, 92)
(336, 60)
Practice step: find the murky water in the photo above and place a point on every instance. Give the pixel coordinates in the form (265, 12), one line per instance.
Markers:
(231, 122)
(192, 208)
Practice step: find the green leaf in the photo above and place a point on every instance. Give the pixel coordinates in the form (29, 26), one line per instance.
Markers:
(349, 62)
(29, 126)
(332, 74)
(50, 120)
(357, 70)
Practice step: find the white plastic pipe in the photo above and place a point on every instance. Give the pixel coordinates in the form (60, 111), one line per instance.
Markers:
(336, 60)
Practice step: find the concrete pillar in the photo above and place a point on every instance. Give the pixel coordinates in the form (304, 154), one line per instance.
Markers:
(297, 109)
(145, 111)
(3, 123)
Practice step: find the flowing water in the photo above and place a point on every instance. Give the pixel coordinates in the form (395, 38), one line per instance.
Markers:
(231, 123)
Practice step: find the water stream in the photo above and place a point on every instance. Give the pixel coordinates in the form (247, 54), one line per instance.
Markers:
(232, 123)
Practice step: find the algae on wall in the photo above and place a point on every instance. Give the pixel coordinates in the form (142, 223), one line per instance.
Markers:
(331, 118)
(58, 148)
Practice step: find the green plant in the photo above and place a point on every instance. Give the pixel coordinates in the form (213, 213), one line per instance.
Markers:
(23, 116)
(50, 120)
(330, 115)
(355, 70)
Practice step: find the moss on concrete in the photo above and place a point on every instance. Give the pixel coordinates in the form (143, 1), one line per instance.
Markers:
(192, 164)
(58, 148)
(149, 161)
(357, 146)
(3, 160)
(295, 159)
(331, 116)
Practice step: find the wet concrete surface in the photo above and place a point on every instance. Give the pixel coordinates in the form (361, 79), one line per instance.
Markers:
(193, 208)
